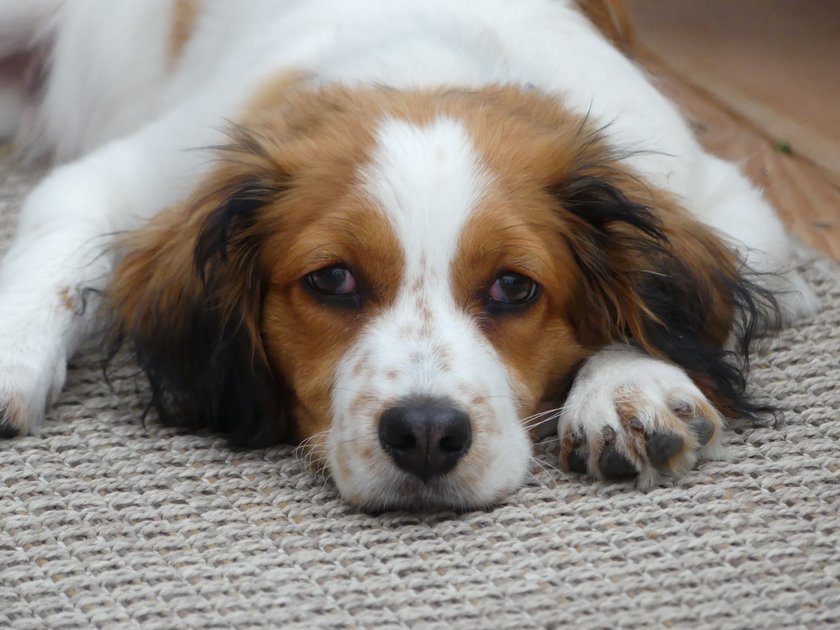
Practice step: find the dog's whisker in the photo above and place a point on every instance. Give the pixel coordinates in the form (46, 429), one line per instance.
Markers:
(539, 481)
(554, 439)
(312, 449)
(549, 466)
(540, 414)
(551, 471)
(533, 425)
(323, 471)
(307, 442)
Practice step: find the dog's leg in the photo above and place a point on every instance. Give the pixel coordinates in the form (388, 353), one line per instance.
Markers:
(58, 253)
(630, 415)
(62, 254)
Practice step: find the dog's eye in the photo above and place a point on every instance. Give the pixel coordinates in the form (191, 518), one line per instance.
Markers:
(512, 289)
(333, 281)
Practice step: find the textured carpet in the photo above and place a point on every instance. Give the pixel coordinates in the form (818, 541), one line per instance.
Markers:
(107, 523)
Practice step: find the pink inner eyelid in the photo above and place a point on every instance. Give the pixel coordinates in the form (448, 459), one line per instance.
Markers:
(496, 292)
(349, 285)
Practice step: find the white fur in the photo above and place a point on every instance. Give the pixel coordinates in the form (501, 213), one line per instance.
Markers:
(127, 119)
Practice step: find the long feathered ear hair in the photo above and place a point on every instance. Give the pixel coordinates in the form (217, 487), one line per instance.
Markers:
(653, 276)
(187, 297)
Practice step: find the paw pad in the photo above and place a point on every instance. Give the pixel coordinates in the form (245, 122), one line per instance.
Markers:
(704, 430)
(615, 465)
(662, 446)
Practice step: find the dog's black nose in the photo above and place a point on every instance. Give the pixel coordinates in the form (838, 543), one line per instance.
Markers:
(425, 438)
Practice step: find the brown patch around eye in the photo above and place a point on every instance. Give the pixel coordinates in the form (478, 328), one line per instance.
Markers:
(323, 218)
(526, 141)
(537, 342)
(307, 339)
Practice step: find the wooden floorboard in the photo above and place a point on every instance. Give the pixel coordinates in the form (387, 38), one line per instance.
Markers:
(775, 62)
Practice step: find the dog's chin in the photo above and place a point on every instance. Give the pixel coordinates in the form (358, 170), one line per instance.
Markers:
(417, 496)
(404, 492)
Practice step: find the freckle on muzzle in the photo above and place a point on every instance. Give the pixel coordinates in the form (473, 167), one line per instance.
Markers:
(425, 437)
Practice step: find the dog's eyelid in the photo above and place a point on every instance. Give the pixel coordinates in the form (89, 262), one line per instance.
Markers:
(511, 291)
(336, 286)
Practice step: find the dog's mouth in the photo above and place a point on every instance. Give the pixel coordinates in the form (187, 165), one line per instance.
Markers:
(413, 494)
(395, 489)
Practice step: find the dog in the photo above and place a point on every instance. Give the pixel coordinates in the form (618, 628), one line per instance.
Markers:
(411, 236)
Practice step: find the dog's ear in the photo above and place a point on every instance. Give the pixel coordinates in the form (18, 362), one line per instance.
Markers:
(187, 296)
(652, 275)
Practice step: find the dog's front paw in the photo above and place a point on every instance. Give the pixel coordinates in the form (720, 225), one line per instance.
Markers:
(629, 415)
(31, 376)
(25, 394)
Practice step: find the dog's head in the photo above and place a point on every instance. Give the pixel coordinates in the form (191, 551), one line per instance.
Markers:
(399, 279)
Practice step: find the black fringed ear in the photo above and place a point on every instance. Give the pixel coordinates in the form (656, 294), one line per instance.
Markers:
(188, 297)
(653, 276)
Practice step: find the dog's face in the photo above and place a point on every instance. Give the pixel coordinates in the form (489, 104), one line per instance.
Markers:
(418, 316)
(398, 280)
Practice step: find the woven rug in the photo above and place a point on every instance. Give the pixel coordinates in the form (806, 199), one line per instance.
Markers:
(105, 522)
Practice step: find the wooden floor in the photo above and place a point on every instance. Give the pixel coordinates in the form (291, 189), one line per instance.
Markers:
(760, 81)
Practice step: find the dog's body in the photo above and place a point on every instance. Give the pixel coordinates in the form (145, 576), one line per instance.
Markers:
(426, 217)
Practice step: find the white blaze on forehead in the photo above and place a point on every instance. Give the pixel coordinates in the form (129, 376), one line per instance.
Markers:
(428, 180)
